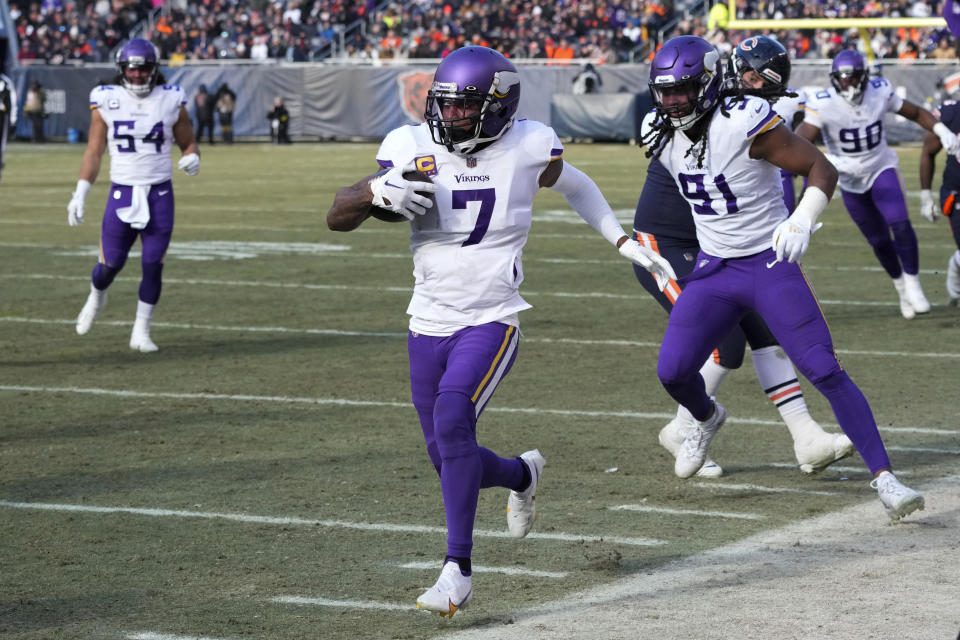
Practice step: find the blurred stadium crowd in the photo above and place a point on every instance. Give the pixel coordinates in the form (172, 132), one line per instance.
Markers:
(611, 31)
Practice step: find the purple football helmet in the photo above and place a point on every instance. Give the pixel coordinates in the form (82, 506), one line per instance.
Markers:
(138, 54)
(473, 99)
(685, 80)
(849, 75)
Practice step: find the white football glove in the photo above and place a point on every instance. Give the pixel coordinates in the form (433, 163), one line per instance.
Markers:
(791, 238)
(657, 265)
(189, 164)
(75, 210)
(948, 139)
(927, 210)
(391, 191)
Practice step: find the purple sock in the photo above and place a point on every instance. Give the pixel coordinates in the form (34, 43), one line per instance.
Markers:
(502, 472)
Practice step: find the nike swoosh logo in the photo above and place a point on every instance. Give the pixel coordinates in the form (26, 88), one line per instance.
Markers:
(759, 109)
(395, 186)
(163, 193)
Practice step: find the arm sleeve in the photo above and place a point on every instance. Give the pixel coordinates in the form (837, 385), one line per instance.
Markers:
(584, 196)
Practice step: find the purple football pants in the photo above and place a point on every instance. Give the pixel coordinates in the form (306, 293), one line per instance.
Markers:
(881, 212)
(452, 379)
(717, 295)
(117, 238)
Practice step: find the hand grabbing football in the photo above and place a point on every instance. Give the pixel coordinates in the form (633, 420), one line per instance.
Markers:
(402, 197)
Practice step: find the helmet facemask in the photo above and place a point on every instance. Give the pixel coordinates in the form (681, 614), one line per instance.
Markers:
(850, 85)
(139, 90)
(464, 119)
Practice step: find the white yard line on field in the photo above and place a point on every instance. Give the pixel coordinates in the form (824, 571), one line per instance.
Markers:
(380, 403)
(686, 512)
(859, 471)
(287, 521)
(398, 334)
(631, 415)
(760, 489)
(342, 604)
(507, 571)
(150, 635)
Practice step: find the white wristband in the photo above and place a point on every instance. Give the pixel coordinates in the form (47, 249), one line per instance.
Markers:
(811, 205)
(941, 130)
(83, 188)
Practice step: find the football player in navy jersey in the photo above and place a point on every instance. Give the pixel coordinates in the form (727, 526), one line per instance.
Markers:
(485, 166)
(137, 118)
(850, 115)
(663, 221)
(949, 113)
(725, 154)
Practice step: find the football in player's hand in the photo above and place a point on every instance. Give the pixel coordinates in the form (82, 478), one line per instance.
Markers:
(387, 215)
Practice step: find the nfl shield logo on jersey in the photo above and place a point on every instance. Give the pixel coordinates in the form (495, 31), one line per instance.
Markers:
(471, 162)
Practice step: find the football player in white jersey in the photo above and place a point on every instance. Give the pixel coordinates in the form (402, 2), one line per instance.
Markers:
(469, 225)
(850, 115)
(137, 117)
(663, 221)
(725, 155)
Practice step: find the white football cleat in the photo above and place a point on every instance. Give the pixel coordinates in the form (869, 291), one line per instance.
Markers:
(953, 279)
(673, 435)
(693, 452)
(451, 592)
(899, 500)
(915, 295)
(95, 303)
(140, 337)
(522, 505)
(821, 451)
(906, 309)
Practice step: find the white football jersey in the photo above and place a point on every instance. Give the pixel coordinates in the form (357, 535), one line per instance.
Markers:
(139, 131)
(467, 250)
(737, 201)
(787, 107)
(856, 131)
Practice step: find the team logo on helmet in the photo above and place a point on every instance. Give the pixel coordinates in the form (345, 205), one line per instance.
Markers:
(748, 44)
(413, 87)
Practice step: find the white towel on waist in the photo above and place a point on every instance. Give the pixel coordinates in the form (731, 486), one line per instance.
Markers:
(137, 215)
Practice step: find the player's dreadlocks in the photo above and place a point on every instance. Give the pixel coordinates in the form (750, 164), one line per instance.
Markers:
(661, 131)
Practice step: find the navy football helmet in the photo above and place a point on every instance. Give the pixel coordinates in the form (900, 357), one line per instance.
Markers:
(138, 54)
(768, 59)
(473, 99)
(849, 75)
(686, 78)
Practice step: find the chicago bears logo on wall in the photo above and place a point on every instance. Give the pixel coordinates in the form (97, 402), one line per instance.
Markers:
(413, 87)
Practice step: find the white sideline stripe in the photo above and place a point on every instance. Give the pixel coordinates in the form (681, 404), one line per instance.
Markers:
(756, 487)
(383, 403)
(149, 635)
(342, 604)
(686, 512)
(397, 334)
(638, 296)
(509, 571)
(362, 526)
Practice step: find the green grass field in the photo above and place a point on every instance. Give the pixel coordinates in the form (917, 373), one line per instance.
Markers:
(263, 476)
